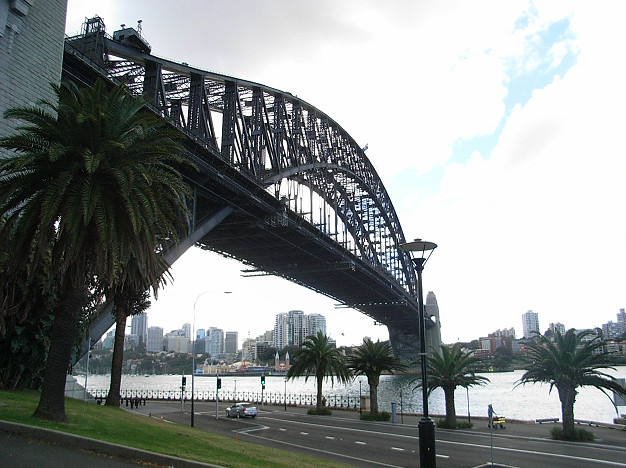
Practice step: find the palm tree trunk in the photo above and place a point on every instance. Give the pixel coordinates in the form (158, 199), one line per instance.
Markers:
(450, 408)
(320, 379)
(567, 395)
(62, 337)
(113, 398)
(374, 397)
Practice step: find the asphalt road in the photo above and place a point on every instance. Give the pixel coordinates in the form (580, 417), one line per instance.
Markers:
(343, 437)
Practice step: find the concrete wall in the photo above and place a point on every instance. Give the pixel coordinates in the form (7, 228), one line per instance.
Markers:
(32, 33)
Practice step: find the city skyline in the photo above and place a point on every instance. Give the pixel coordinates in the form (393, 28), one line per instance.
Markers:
(552, 327)
(497, 136)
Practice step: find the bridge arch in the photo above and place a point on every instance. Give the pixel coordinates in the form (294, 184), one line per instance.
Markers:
(255, 146)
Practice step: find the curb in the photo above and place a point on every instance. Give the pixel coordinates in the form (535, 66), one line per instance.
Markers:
(106, 448)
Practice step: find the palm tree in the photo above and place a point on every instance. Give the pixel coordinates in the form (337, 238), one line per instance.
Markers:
(130, 297)
(452, 368)
(89, 176)
(572, 361)
(372, 359)
(318, 357)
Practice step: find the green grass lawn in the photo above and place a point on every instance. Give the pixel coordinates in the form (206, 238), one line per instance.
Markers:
(133, 430)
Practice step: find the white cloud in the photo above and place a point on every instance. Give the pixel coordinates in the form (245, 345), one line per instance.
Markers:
(539, 225)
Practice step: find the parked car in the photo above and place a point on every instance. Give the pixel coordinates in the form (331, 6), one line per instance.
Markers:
(241, 410)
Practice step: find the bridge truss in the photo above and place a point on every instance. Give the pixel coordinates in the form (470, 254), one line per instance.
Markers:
(282, 187)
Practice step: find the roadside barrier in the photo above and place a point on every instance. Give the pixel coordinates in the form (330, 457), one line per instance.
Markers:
(330, 401)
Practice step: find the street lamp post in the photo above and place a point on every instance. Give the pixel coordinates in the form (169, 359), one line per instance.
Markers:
(426, 426)
(193, 359)
(193, 352)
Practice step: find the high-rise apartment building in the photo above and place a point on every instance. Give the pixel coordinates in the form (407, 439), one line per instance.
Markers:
(231, 342)
(139, 327)
(187, 329)
(621, 320)
(154, 343)
(611, 330)
(291, 328)
(315, 323)
(214, 341)
(295, 327)
(530, 322)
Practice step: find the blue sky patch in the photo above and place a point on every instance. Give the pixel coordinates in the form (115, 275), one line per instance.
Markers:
(549, 53)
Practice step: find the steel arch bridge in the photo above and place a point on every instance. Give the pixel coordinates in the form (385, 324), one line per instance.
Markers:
(281, 186)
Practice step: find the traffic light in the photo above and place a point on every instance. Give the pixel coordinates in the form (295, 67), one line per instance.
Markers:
(184, 380)
(219, 383)
(263, 381)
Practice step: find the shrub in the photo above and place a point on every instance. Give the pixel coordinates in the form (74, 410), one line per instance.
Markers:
(459, 424)
(322, 412)
(579, 435)
(381, 416)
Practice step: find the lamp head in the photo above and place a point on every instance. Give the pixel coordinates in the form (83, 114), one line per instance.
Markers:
(419, 248)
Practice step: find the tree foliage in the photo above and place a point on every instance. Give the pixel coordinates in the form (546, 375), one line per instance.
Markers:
(319, 358)
(573, 360)
(372, 360)
(451, 368)
(89, 177)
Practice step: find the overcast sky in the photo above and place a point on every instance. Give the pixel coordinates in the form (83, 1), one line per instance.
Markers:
(498, 129)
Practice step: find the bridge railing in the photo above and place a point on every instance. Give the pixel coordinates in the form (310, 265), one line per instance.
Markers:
(293, 399)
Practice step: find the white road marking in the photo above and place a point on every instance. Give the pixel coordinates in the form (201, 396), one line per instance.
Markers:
(325, 452)
(329, 437)
(358, 442)
(399, 449)
(304, 433)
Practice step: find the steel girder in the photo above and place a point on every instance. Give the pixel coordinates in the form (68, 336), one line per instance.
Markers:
(284, 145)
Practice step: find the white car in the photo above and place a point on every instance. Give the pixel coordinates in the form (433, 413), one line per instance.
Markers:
(241, 410)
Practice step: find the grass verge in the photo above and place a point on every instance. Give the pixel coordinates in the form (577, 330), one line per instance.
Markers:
(132, 430)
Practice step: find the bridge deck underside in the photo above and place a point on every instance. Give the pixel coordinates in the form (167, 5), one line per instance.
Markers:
(271, 241)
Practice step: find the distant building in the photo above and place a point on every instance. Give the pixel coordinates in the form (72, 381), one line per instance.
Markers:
(231, 342)
(505, 333)
(131, 341)
(247, 350)
(154, 342)
(530, 322)
(177, 343)
(315, 323)
(214, 344)
(139, 327)
(621, 320)
(292, 328)
(554, 329)
(187, 329)
(611, 330)
(109, 341)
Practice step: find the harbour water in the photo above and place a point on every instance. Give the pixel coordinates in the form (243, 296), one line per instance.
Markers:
(528, 402)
